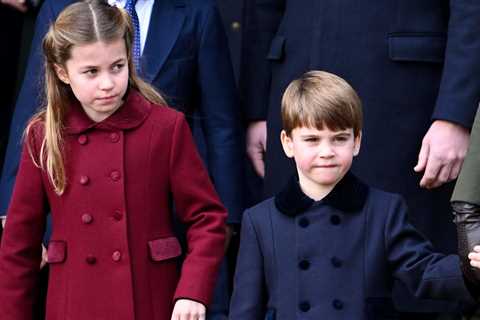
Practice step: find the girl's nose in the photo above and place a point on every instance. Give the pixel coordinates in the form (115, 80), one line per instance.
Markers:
(106, 82)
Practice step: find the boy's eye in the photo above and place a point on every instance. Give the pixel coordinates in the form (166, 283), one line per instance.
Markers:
(340, 138)
(312, 139)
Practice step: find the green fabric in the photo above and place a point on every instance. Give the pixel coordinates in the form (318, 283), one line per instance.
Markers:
(467, 188)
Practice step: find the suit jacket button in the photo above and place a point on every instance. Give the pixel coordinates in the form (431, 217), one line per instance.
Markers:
(304, 306)
(114, 137)
(337, 304)
(86, 218)
(91, 259)
(83, 139)
(303, 222)
(336, 262)
(116, 256)
(84, 180)
(304, 264)
(335, 220)
(117, 215)
(115, 175)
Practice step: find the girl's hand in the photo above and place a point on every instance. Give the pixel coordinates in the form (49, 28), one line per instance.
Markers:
(475, 257)
(185, 309)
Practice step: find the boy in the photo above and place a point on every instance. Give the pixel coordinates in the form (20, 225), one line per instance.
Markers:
(328, 246)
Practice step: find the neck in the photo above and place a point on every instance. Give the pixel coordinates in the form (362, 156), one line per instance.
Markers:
(314, 190)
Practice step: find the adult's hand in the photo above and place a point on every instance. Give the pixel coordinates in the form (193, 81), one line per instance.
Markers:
(186, 309)
(257, 145)
(442, 153)
(20, 5)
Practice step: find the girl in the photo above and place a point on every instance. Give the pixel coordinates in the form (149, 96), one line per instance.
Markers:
(109, 161)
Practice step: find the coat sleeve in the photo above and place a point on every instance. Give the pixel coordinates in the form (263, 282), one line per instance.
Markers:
(427, 274)
(28, 102)
(199, 207)
(20, 251)
(459, 92)
(220, 114)
(262, 19)
(249, 294)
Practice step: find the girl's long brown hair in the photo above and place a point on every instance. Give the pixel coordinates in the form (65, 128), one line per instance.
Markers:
(81, 23)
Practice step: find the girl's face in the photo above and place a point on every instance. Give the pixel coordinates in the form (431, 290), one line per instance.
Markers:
(98, 76)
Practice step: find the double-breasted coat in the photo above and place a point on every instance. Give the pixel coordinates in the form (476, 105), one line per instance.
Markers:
(336, 258)
(113, 252)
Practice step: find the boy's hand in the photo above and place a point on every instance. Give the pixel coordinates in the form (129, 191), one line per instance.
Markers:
(475, 257)
(256, 137)
(185, 309)
(19, 5)
(442, 153)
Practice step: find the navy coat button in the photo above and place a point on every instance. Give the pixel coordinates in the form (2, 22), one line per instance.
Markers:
(87, 219)
(303, 222)
(83, 139)
(116, 256)
(336, 262)
(91, 259)
(115, 175)
(335, 220)
(84, 180)
(117, 215)
(337, 304)
(304, 264)
(114, 137)
(304, 306)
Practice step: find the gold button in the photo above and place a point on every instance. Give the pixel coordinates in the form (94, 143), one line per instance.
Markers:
(236, 25)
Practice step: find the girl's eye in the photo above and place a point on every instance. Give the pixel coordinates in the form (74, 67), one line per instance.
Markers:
(91, 71)
(118, 66)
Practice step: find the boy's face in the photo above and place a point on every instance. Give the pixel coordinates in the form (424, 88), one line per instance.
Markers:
(322, 157)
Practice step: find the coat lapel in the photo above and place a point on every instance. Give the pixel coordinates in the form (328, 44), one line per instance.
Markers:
(165, 25)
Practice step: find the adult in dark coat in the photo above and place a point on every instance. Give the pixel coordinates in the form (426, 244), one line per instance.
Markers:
(415, 66)
(186, 57)
(336, 258)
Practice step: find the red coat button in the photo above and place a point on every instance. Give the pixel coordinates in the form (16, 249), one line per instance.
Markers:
(82, 139)
(117, 215)
(116, 256)
(84, 180)
(115, 175)
(114, 137)
(91, 259)
(86, 218)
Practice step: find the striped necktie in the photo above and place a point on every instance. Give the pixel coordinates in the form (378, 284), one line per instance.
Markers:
(130, 8)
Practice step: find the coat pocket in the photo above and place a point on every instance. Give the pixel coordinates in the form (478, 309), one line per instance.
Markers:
(380, 309)
(57, 251)
(277, 48)
(416, 47)
(165, 248)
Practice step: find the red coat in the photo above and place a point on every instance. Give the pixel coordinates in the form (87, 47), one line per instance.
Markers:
(112, 252)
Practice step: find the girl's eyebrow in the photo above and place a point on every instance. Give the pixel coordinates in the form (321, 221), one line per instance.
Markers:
(93, 66)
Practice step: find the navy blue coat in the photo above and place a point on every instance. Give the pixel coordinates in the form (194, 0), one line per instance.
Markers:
(336, 258)
(411, 61)
(186, 57)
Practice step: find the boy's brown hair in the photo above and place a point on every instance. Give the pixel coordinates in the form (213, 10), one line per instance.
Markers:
(320, 98)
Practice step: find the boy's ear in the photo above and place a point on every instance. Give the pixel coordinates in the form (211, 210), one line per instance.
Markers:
(358, 142)
(287, 144)
(61, 73)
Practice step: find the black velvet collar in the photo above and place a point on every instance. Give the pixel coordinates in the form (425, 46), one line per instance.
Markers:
(349, 195)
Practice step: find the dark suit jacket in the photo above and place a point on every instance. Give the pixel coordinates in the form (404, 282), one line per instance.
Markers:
(186, 57)
(336, 258)
(410, 61)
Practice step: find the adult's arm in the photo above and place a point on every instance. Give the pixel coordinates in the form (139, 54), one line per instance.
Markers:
(28, 102)
(220, 113)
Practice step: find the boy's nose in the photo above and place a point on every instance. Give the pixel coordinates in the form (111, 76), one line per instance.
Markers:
(325, 150)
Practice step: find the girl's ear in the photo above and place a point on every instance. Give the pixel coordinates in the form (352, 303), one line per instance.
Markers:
(358, 142)
(61, 73)
(287, 144)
